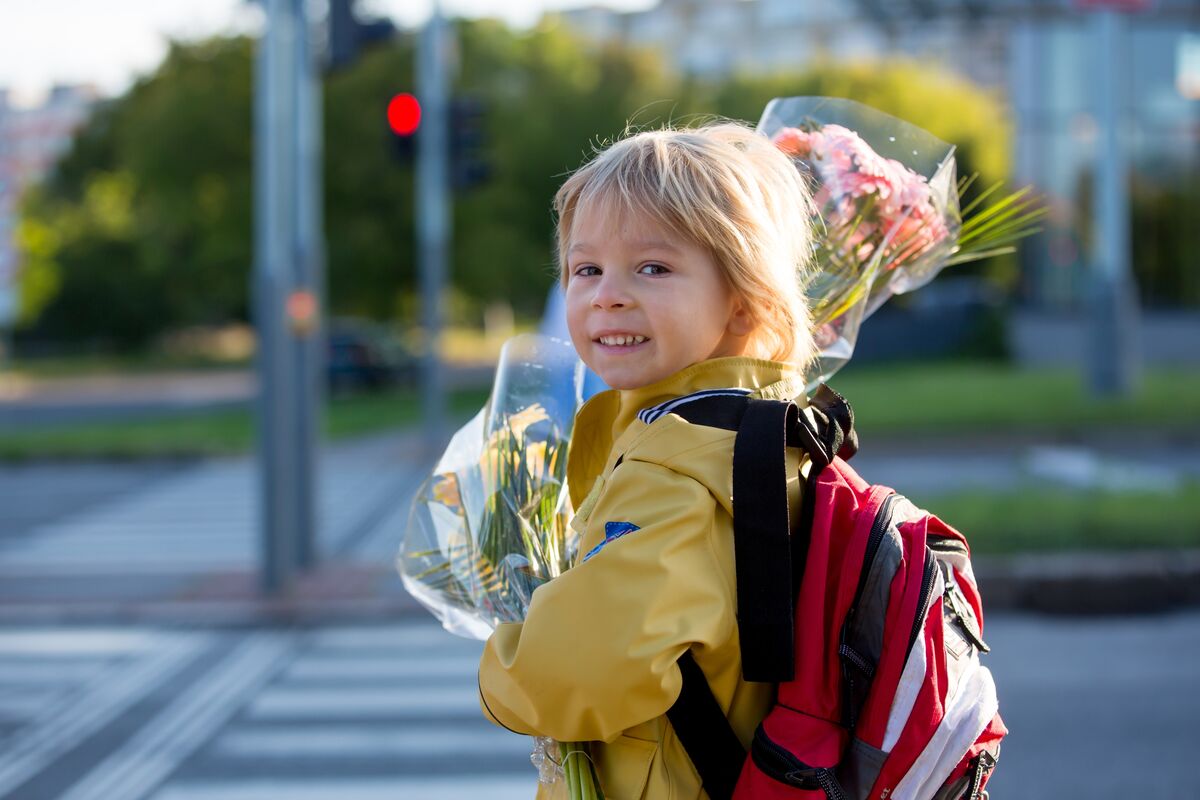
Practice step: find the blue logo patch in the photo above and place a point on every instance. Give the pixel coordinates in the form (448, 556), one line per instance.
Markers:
(612, 532)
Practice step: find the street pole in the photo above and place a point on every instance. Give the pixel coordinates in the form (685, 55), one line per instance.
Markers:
(285, 310)
(1115, 352)
(305, 317)
(433, 214)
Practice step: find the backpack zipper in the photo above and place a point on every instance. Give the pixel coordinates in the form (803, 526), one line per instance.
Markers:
(923, 602)
(981, 766)
(964, 618)
(781, 765)
(879, 527)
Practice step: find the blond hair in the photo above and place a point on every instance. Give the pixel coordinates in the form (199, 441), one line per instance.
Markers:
(729, 190)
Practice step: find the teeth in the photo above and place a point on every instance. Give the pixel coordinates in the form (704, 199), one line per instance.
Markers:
(621, 340)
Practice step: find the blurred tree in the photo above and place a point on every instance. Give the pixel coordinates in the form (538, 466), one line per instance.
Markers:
(551, 96)
(368, 194)
(1166, 240)
(147, 223)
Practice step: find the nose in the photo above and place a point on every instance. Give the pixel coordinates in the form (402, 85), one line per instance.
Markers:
(611, 293)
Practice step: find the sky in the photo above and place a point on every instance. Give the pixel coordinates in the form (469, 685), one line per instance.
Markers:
(110, 42)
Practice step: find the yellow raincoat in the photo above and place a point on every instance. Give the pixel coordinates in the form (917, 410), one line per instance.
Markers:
(595, 659)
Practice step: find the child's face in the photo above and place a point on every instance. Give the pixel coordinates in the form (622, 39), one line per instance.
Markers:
(643, 303)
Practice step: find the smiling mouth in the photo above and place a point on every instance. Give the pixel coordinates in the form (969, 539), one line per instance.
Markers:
(621, 341)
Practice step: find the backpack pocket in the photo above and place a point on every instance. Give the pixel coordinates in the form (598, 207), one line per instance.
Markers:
(803, 769)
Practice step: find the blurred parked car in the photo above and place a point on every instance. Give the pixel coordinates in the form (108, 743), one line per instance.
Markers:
(364, 355)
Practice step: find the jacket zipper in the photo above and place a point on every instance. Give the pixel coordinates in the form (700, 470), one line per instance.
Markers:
(781, 765)
(923, 602)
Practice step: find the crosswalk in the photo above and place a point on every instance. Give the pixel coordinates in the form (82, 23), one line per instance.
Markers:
(205, 520)
(349, 713)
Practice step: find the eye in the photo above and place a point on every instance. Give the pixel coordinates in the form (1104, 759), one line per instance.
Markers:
(653, 269)
(587, 271)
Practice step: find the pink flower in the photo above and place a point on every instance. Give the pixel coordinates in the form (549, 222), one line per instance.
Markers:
(795, 142)
(865, 197)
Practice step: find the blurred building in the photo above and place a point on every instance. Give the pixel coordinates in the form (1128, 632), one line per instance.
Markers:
(1039, 53)
(32, 139)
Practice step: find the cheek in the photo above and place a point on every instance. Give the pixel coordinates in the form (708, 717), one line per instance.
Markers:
(576, 317)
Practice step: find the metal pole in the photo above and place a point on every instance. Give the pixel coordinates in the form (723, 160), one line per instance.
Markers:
(433, 214)
(273, 276)
(306, 339)
(1114, 300)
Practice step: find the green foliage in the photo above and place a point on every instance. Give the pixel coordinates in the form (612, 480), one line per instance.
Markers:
(1047, 519)
(948, 399)
(1166, 240)
(369, 206)
(147, 223)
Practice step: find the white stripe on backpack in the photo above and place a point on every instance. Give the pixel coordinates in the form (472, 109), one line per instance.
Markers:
(968, 712)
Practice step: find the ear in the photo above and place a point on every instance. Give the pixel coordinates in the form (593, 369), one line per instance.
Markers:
(741, 323)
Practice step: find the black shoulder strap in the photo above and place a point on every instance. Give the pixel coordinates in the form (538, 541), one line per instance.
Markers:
(769, 562)
(762, 542)
(705, 733)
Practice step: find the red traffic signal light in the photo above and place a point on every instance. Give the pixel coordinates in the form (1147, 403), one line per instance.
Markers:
(404, 114)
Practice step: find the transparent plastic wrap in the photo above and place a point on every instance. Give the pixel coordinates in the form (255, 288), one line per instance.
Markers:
(491, 523)
(888, 198)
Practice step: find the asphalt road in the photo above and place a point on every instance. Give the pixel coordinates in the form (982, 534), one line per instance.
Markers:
(1098, 708)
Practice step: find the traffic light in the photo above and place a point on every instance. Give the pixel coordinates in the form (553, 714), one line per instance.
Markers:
(348, 35)
(466, 137)
(469, 166)
(404, 120)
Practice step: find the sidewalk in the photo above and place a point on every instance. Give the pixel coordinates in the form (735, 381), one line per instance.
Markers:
(183, 548)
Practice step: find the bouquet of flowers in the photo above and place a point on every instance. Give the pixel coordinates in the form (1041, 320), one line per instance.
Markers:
(890, 215)
(490, 525)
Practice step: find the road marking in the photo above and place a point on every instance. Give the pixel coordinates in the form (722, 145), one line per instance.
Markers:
(401, 638)
(383, 670)
(161, 745)
(76, 715)
(98, 641)
(369, 703)
(41, 672)
(493, 787)
(22, 702)
(361, 741)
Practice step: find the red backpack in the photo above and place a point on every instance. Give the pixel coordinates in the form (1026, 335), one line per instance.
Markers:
(867, 616)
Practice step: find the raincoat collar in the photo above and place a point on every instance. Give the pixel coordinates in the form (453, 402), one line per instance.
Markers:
(607, 417)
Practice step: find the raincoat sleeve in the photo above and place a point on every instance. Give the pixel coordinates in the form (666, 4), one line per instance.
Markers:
(596, 654)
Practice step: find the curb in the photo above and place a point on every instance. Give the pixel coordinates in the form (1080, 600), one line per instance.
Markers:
(1090, 583)
(1069, 584)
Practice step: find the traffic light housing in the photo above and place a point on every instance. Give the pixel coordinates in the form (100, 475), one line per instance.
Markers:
(466, 137)
(348, 35)
(469, 166)
(404, 121)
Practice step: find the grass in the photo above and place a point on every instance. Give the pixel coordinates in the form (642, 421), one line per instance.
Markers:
(1062, 519)
(217, 432)
(973, 397)
(946, 399)
(88, 365)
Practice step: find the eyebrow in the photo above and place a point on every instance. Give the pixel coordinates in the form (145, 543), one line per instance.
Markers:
(648, 244)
